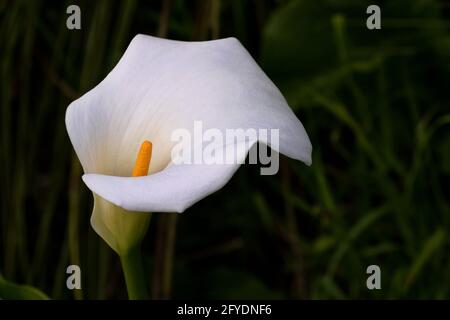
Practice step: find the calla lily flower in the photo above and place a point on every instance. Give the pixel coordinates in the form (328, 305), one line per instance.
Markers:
(157, 87)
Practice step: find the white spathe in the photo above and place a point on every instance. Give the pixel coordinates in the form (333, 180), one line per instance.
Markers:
(161, 85)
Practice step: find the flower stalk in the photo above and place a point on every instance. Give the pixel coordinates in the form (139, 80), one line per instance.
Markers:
(132, 265)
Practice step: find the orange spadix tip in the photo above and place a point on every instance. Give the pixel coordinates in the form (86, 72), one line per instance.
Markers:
(144, 156)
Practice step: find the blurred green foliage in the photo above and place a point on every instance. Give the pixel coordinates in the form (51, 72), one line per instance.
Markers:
(12, 291)
(376, 107)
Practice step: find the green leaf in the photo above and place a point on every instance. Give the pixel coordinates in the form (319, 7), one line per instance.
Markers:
(332, 289)
(424, 256)
(12, 291)
(368, 220)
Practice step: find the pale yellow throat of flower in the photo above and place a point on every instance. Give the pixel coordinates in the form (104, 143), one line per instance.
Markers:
(143, 158)
(124, 229)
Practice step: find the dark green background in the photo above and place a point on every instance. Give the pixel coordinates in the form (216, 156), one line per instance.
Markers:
(376, 105)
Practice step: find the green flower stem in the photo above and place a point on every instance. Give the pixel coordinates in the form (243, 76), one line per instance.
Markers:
(134, 273)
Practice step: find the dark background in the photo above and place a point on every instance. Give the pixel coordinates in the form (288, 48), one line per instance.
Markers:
(375, 104)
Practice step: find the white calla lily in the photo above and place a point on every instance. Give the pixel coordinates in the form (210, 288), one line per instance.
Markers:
(158, 86)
